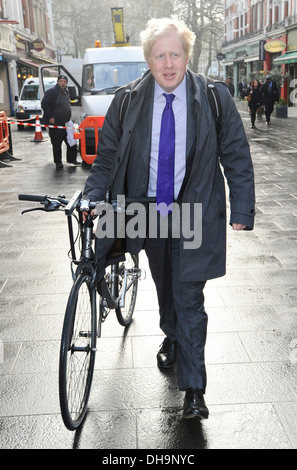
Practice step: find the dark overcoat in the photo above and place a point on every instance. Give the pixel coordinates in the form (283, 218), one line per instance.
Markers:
(122, 165)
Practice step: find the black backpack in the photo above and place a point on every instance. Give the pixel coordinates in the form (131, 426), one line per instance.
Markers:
(212, 94)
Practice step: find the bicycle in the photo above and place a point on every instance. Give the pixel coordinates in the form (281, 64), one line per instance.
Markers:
(81, 328)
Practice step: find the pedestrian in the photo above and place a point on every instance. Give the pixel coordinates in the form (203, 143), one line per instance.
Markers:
(254, 100)
(57, 112)
(269, 94)
(230, 86)
(242, 88)
(130, 162)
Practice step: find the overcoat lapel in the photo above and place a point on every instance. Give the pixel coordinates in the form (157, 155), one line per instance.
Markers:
(191, 116)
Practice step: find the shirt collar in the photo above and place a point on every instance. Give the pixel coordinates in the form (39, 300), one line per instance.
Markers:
(180, 92)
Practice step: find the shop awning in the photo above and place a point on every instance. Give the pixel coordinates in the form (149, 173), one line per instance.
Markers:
(254, 58)
(286, 58)
(29, 62)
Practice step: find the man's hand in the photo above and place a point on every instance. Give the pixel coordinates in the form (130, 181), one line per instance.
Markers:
(238, 227)
(52, 121)
(85, 214)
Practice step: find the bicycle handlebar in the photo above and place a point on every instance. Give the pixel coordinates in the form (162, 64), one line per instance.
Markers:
(32, 197)
(77, 201)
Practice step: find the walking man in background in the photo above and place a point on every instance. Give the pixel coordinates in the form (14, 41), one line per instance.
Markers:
(230, 86)
(242, 88)
(269, 94)
(57, 112)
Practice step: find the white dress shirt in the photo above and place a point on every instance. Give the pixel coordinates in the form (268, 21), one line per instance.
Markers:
(179, 107)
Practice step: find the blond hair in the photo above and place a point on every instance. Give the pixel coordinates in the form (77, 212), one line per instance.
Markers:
(158, 27)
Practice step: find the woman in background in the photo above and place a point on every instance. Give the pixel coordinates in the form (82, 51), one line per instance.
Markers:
(254, 99)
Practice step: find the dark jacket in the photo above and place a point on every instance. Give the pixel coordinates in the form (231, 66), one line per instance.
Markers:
(231, 88)
(123, 164)
(269, 93)
(56, 104)
(256, 99)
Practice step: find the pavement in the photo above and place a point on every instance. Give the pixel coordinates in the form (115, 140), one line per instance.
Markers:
(251, 352)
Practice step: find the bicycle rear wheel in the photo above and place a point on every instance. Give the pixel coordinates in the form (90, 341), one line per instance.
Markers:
(128, 275)
(77, 353)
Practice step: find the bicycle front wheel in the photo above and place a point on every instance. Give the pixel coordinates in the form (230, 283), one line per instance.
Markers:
(128, 275)
(77, 353)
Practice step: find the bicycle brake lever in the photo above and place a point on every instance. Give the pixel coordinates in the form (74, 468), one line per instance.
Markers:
(34, 209)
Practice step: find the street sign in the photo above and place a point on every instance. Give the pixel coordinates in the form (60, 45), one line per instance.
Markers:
(220, 56)
(262, 50)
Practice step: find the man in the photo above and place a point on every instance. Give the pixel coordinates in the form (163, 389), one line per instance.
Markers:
(269, 94)
(57, 112)
(129, 162)
(242, 88)
(230, 86)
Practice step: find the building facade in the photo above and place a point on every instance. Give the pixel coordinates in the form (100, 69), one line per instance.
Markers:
(26, 41)
(258, 36)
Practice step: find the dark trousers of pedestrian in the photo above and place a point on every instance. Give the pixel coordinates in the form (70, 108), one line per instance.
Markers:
(58, 136)
(253, 108)
(182, 314)
(269, 107)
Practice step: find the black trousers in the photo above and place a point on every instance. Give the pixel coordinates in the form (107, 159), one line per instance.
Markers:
(182, 314)
(253, 108)
(58, 136)
(269, 107)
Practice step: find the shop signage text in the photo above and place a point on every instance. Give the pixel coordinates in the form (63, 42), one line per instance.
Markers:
(275, 46)
(37, 45)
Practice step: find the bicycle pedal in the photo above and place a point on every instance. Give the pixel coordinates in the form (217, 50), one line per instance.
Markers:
(103, 291)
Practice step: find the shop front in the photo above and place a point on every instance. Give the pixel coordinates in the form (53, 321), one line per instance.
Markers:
(8, 57)
(244, 64)
(287, 61)
(260, 58)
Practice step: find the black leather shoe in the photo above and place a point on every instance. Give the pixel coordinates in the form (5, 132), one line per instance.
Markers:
(59, 166)
(76, 163)
(194, 405)
(167, 354)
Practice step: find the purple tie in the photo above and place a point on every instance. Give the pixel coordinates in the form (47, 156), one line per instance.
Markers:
(165, 178)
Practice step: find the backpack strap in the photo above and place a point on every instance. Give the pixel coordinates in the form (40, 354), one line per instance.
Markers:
(215, 103)
(126, 99)
(124, 105)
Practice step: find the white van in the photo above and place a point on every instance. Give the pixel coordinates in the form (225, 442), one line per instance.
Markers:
(28, 104)
(104, 70)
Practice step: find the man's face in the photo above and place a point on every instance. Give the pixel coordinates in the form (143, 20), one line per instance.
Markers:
(62, 83)
(168, 61)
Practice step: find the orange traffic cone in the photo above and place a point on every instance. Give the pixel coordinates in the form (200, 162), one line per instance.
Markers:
(38, 132)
